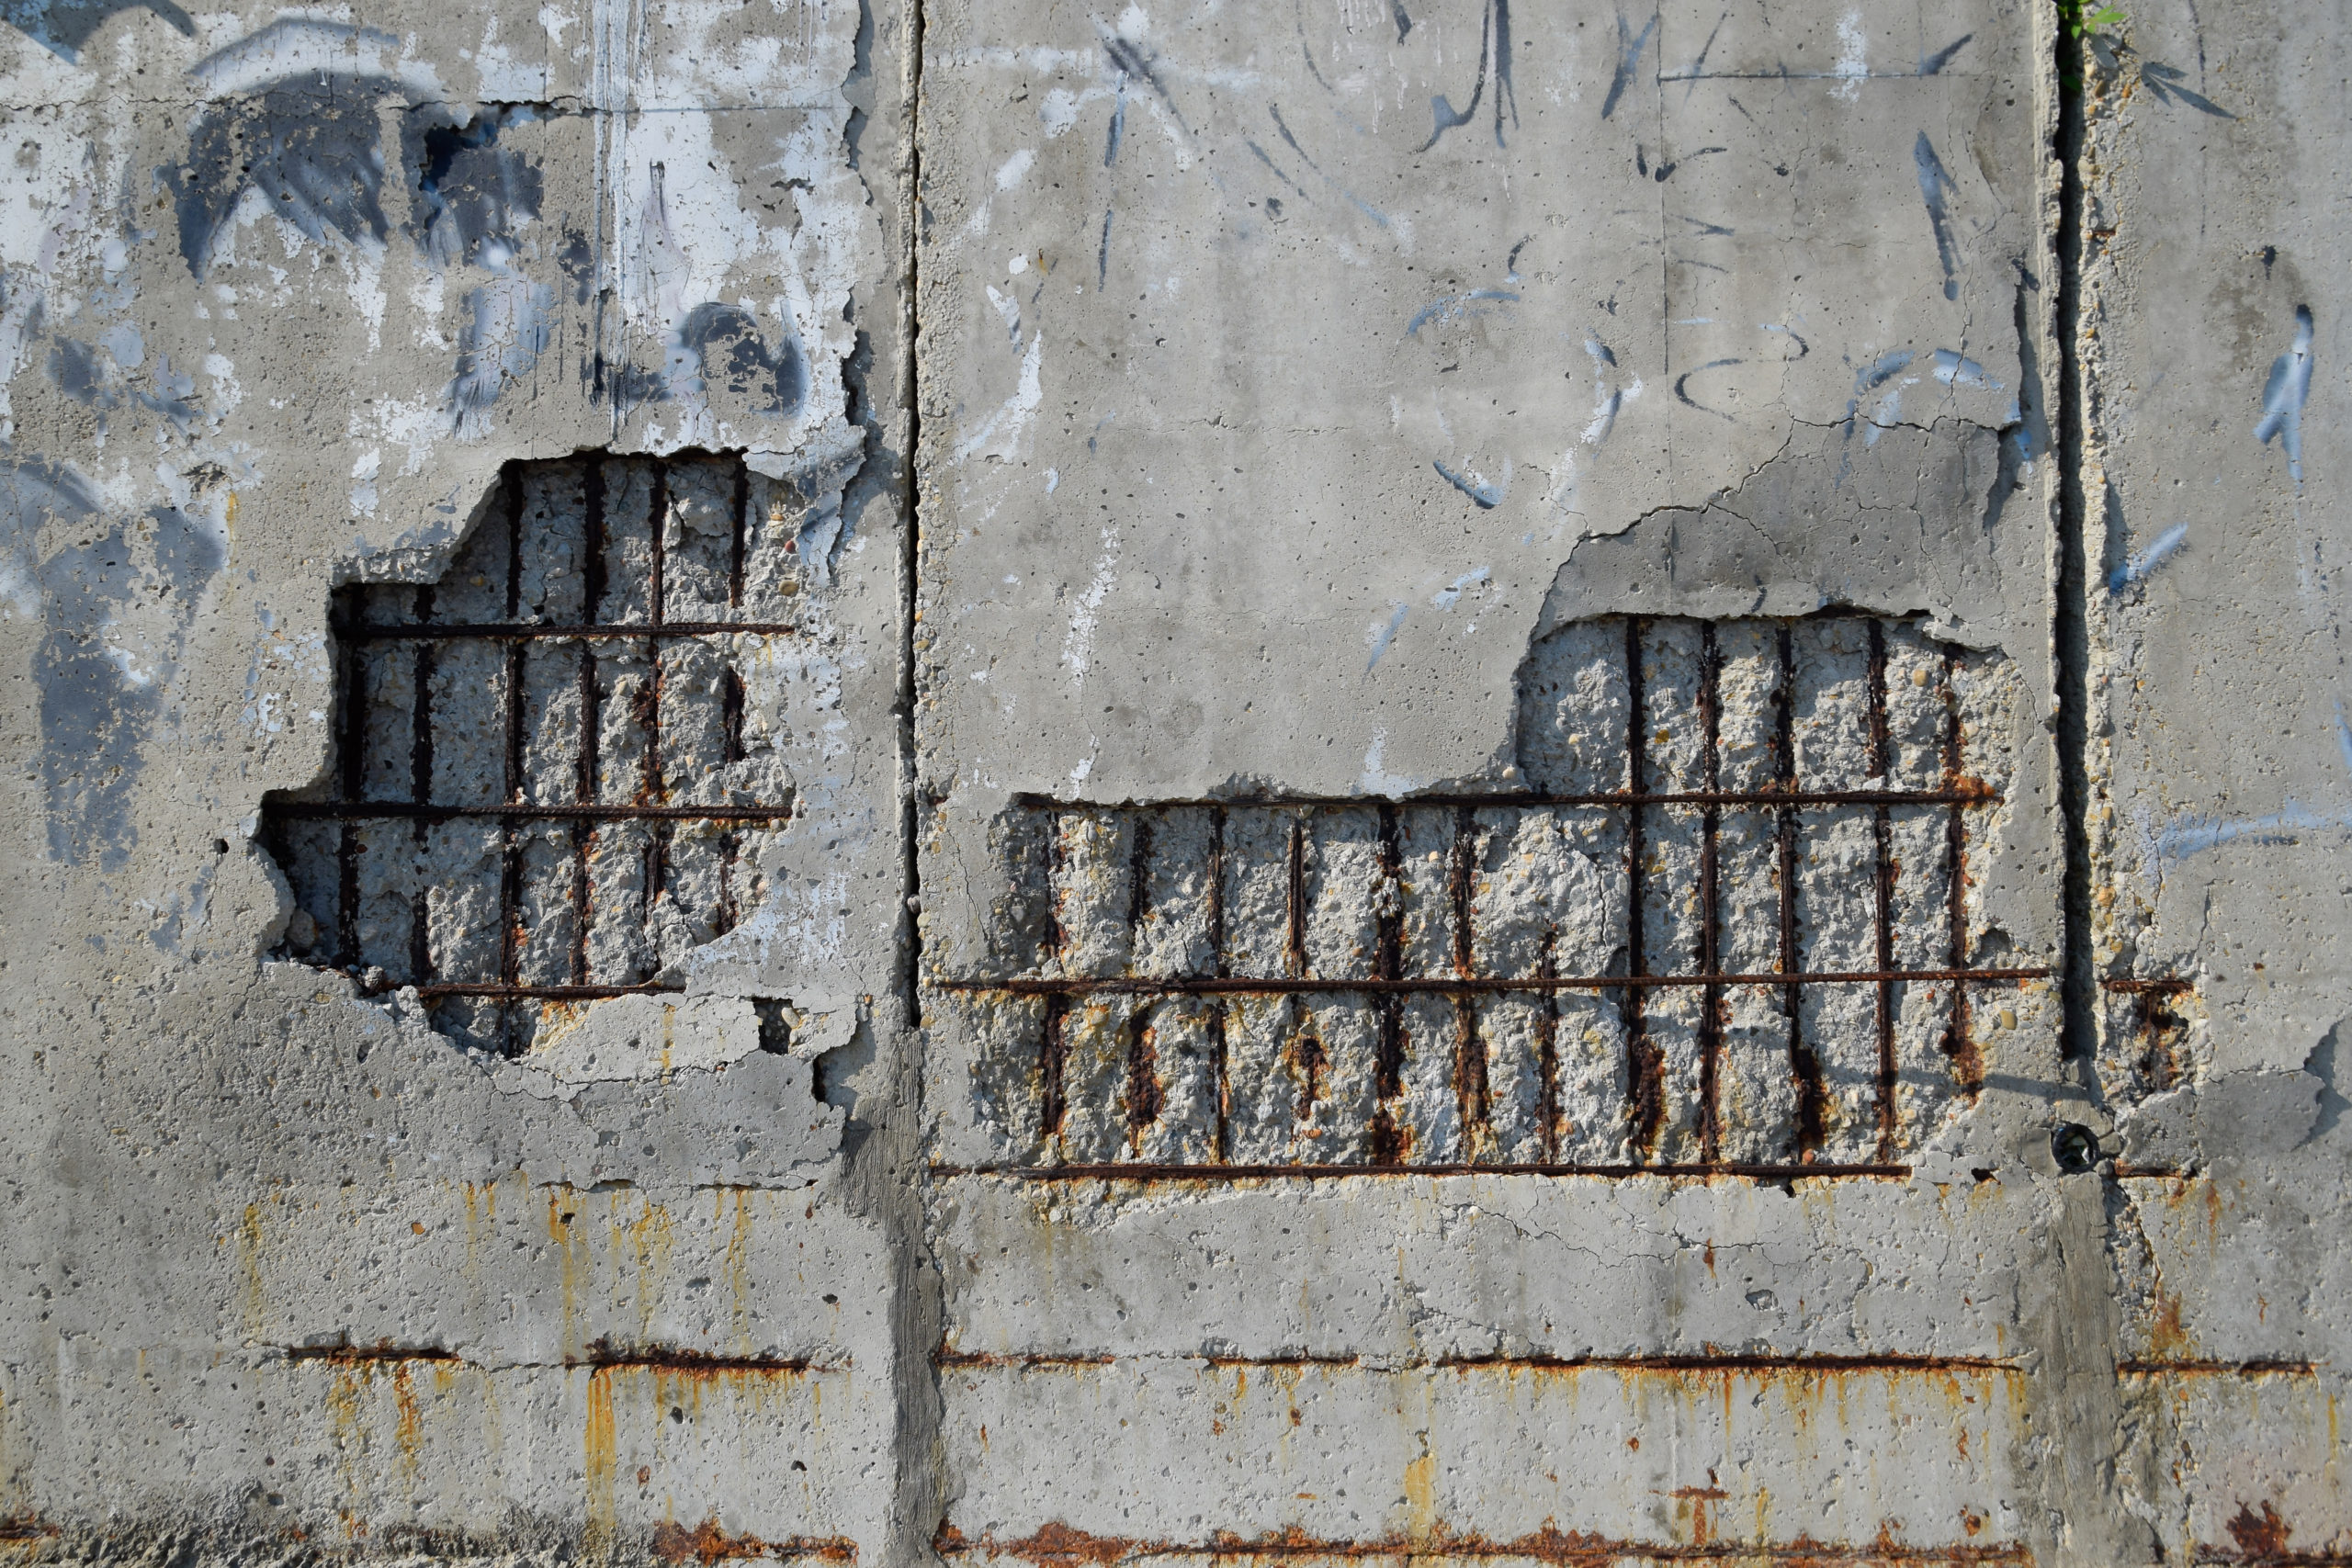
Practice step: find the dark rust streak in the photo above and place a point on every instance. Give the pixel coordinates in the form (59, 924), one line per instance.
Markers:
(513, 477)
(1139, 876)
(1218, 1062)
(547, 993)
(585, 778)
(602, 1353)
(383, 1350)
(1057, 1545)
(1051, 1107)
(1966, 792)
(1803, 1068)
(1472, 1098)
(2167, 987)
(1143, 1079)
(1388, 1068)
(1215, 1173)
(504, 631)
(1827, 1365)
(592, 545)
(1547, 1050)
(742, 522)
(1960, 1041)
(1710, 1021)
(1644, 1063)
(372, 811)
(1444, 985)
(510, 877)
(1294, 938)
(657, 531)
(420, 787)
(1883, 850)
(706, 1543)
(353, 746)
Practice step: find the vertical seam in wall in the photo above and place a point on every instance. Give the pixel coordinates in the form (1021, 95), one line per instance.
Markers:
(919, 1480)
(2072, 641)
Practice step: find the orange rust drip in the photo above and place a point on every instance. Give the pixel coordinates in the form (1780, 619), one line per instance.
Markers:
(707, 1543)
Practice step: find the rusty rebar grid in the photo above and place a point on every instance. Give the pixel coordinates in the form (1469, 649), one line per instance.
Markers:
(352, 810)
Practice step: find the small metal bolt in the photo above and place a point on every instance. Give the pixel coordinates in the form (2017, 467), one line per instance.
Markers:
(2075, 1146)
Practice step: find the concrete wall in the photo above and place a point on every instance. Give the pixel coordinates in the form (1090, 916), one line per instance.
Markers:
(1388, 779)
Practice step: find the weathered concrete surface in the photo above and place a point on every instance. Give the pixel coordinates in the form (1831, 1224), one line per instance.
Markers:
(839, 783)
(291, 1272)
(2211, 351)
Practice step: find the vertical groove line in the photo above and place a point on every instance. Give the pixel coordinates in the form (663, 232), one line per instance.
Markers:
(1218, 1065)
(1711, 1001)
(1643, 1084)
(1882, 845)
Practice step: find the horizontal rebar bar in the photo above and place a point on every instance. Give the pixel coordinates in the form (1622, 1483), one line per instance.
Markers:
(1965, 794)
(363, 810)
(1127, 984)
(508, 631)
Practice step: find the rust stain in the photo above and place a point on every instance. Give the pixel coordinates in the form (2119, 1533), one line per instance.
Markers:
(706, 1543)
(2259, 1537)
(345, 1354)
(408, 1426)
(1057, 1545)
(666, 1361)
(599, 1462)
(2167, 1337)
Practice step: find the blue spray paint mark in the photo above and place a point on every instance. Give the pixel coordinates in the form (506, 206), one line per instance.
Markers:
(1259, 153)
(1629, 54)
(1683, 381)
(1118, 124)
(1453, 305)
(1494, 56)
(1385, 635)
(1874, 375)
(2284, 394)
(1955, 371)
(1102, 255)
(1475, 486)
(1935, 188)
(2168, 544)
(2196, 834)
(2343, 739)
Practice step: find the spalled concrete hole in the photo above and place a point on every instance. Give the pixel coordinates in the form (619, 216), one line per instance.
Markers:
(554, 772)
(1704, 807)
